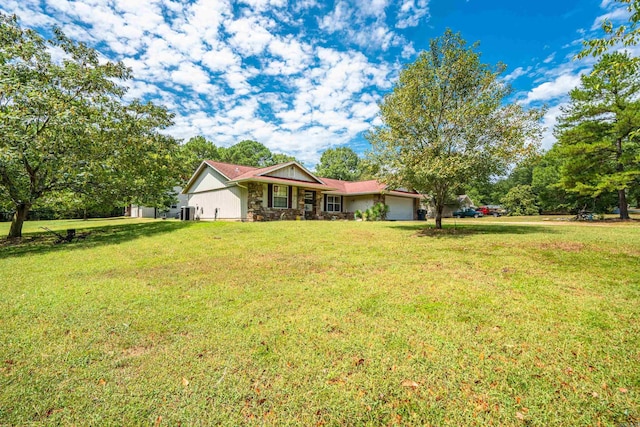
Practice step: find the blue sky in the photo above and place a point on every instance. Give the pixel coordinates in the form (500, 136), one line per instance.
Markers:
(306, 75)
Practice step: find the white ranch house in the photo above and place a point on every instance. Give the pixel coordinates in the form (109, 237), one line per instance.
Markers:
(287, 191)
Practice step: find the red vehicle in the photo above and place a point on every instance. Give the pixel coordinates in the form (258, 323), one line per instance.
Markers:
(486, 211)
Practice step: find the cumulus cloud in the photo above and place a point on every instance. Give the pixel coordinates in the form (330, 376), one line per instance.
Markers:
(517, 72)
(412, 12)
(549, 90)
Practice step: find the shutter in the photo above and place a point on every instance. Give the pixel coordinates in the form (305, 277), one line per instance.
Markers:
(270, 196)
(341, 204)
(325, 203)
(290, 198)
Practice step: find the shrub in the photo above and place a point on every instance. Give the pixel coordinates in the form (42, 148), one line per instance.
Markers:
(377, 212)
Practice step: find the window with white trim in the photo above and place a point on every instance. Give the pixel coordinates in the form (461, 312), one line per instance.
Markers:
(334, 204)
(280, 196)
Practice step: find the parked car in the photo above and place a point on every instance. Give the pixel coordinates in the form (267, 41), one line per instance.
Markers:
(491, 210)
(467, 212)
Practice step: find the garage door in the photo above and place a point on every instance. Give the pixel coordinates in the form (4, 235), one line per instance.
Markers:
(400, 208)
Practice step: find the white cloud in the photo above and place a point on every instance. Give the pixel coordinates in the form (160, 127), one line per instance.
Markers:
(412, 12)
(518, 72)
(553, 89)
(250, 35)
(549, 122)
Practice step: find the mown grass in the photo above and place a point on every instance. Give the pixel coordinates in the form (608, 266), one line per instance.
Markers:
(322, 323)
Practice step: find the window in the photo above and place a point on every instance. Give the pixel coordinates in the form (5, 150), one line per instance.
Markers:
(333, 204)
(280, 196)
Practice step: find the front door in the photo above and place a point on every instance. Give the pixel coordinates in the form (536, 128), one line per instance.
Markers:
(309, 198)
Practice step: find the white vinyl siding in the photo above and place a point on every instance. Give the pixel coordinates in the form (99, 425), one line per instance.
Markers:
(358, 203)
(400, 208)
(208, 180)
(230, 201)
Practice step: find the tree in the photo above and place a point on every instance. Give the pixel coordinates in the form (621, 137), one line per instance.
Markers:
(339, 163)
(627, 35)
(277, 158)
(445, 125)
(193, 152)
(520, 200)
(545, 183)
(247, 153)
(64, 126)
(598, 131)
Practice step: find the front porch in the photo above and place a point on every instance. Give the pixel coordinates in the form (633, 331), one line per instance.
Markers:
(269, 202)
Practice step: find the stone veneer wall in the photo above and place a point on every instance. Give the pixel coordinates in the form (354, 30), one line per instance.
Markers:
(257, 210)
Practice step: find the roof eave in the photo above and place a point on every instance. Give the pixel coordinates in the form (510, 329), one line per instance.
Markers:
(284, 181)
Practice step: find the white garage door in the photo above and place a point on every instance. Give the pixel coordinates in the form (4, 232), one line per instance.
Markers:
(400, 208)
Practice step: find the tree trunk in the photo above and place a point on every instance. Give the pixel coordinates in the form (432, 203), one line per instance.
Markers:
(622, 205)
(18, 219)
(439, 209)
(622, 197)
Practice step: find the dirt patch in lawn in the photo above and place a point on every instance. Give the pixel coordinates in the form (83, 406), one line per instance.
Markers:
(563, 246)
(445, 232)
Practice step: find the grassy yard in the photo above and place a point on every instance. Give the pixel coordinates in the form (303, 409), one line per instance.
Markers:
(322, 323)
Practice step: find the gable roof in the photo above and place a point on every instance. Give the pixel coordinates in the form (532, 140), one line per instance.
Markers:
(239, 173)
(228, 170)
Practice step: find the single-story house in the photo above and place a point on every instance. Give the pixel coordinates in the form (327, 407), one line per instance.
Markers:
(287, 191)
(173, 211)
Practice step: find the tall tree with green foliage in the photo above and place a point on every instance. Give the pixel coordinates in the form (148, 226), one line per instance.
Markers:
(64, 126)
(598, 132)
(520, 200)
(193, 152)
(339, 163)
(248, 153)
(445, 124)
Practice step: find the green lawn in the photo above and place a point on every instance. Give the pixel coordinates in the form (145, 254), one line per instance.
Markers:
(321, 323)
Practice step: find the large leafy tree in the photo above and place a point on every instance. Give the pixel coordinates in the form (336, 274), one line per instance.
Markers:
(339, 163)
(193, 152)
(520, 200)
(598, 131)
(65, 128)
(248, 153)
(445, 124)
